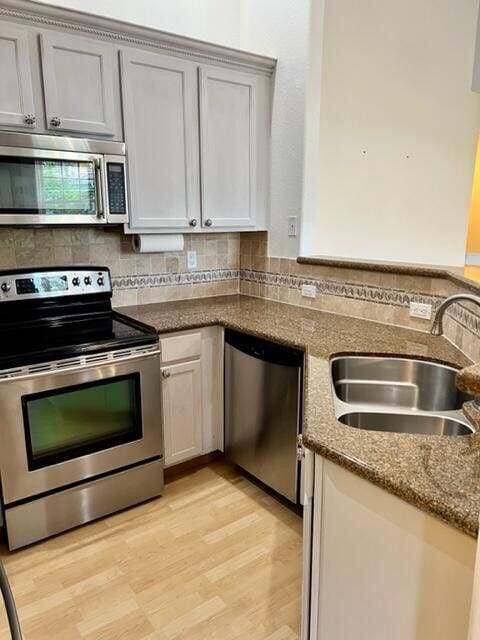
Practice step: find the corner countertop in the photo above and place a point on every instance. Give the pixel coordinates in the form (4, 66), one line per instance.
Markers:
(438, 474)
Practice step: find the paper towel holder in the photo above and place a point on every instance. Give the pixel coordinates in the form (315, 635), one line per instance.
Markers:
(157, 243)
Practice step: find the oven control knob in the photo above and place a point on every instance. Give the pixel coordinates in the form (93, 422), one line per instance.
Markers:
(76, 281)
(6, 286)
(100, 281)
(87, 280)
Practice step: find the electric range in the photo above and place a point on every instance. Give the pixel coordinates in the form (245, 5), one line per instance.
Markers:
(80, 403)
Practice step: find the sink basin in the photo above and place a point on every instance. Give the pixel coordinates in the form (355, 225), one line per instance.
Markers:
(407, 423)
(396, 383)
(398, 395)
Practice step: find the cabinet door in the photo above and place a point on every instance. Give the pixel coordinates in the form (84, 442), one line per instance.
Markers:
(78, 84)
(16, 94)
(182, 411)
(228, 138)
(161, 131)
(396, 571)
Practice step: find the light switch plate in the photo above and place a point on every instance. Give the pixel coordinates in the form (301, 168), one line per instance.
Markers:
(292, 226)
(420, 310)
(309, 291)
(191, 259)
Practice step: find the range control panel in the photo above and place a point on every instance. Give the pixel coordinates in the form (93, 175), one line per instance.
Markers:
(53, 284)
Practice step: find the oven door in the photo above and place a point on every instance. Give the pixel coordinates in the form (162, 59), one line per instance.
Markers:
(51, 187)
(62, 427)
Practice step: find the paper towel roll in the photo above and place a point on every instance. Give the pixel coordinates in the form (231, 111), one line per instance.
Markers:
(156, 242)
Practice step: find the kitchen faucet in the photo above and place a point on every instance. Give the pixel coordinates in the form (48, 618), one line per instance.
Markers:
(437, 326)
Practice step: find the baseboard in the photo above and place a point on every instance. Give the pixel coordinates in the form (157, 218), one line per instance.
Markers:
(183, 468)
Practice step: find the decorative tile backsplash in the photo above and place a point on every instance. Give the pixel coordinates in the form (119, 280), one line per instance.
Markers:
(380, 296)
(173, 279)
(230, 263)
(137, 278)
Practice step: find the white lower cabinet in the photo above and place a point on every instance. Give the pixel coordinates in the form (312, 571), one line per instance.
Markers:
(192, 393)
(382, 568)
(182, 414)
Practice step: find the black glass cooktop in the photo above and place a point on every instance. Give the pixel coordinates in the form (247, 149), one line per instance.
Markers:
(29, 343)
(53, 313)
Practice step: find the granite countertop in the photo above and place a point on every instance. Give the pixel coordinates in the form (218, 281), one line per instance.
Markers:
(440, 475)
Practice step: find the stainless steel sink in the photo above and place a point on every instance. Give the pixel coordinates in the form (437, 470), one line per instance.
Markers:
(407, 423)
(398, 395)
(397, 382)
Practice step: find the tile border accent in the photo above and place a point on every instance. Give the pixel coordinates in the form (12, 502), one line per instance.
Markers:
(174, 279)
(466, 318)
(367, 293)
(324, 286)
(332, 287)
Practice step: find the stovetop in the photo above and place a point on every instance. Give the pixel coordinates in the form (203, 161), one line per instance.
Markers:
(27, 345)
(45, 316)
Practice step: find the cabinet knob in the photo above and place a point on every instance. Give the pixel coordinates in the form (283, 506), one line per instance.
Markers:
(55, 121)
(30, 119)
(165, 373)
(208, 222)
(193, 222)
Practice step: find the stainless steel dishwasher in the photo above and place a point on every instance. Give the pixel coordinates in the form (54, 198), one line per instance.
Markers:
(263, 390)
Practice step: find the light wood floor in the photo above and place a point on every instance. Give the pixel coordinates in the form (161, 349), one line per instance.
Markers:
(214, 559)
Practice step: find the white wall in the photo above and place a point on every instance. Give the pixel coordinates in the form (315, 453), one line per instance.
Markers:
(397, 134)
(281, 29)
(213, 20)
(278, 28)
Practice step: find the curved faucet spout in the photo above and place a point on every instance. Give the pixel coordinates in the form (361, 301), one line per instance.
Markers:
(437, 326)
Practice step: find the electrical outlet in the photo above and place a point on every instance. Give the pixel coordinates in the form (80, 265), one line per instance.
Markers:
(309, 291)
(420, 310)
(191, 259)
(292, 226)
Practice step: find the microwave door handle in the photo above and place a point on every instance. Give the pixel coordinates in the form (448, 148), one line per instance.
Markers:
(99, 188)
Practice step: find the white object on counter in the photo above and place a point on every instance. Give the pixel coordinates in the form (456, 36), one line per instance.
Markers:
(157, 242)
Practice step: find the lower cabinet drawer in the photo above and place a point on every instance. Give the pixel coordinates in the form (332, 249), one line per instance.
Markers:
(181, 347)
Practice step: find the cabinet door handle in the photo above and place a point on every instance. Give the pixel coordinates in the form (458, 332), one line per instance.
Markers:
(165, 373)
(208, 222)
(30, 118)
(193, 222)
(55, 121)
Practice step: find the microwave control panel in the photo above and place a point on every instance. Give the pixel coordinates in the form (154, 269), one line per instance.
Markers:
(117, 199)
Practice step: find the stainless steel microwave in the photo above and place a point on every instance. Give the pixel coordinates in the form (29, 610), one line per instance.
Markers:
(55, 180)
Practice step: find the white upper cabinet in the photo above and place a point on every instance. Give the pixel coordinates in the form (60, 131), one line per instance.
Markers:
(16, 95)
(228, 134)
(195, 116)
(78, 76)
(159, 94)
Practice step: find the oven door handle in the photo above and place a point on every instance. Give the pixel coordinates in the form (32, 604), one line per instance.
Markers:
(80, 367)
